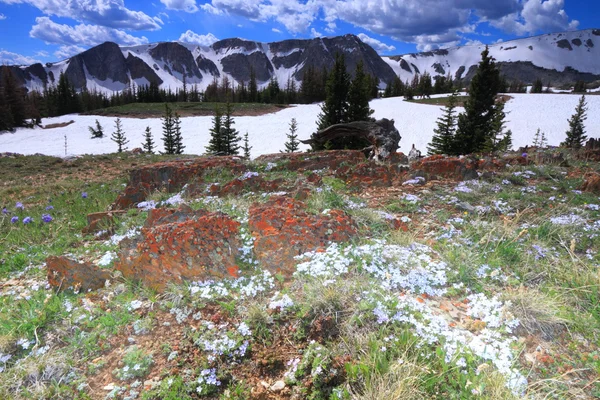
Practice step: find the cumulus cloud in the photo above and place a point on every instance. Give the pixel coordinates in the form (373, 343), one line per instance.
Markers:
(202, 40)
(537, 16)
(275, 30)
(314, 33)
(10, 58)
(109, 13)
(86, 35)
(68, 51)
(376, 44)
(181, 5)
(2, 16)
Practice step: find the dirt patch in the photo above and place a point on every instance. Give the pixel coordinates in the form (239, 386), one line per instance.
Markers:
(58, 125)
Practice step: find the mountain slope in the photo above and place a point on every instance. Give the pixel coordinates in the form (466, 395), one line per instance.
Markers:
(558, 58)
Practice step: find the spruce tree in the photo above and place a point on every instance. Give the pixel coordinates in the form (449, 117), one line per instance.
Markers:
(538, 86)
(97, 132)
(475, 124)
(443, 138)
(215, 145)
(498, 140)
(335, 108)
(358, 97)
(252, 87)
(576, 134)
(230, 135)
(148, 144)
(168, 125)
(178, 138)
(292, 144)
(246, 147)
(119, 136)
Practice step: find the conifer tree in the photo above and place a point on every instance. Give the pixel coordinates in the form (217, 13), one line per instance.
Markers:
(443, 138)
(119, 136)
(498, 140)
(148, 144)
(178, 138)
(252, 87)
(358, 97)
(292, 144)
(576, 134)
(215, 145)
(229, 134)
(246, 147)
(538, 86)
(475, 124)
(168, 125)
(97, 132)
(335, 108)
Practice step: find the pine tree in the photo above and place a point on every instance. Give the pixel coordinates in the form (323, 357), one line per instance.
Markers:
(576, 134)
(98, 132)
(538, 86)
(215, 145)
(358, 97)
(14, 98)
(335, 108)
(475, 124)
(537, 138)
(252, 87)
(119, 136)
(292, 144)
(498, 140)
(178, 138)
(148, 144)
(443, 138)
(230, 135)
(246, 147)
(168, 125)
(579, 87)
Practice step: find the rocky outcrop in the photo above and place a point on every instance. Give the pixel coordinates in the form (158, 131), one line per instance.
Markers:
(282, 230)
(312, 161)
(239, 66)
(438, 166)
(177, 58)
(101, 221)
(66, 274)
(139, 69)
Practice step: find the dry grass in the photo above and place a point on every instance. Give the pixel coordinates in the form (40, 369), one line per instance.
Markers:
(401, 382)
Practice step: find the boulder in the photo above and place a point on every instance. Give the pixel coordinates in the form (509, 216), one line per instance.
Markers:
(67, 274)
(439, 166)
(313, 161)
(282, 229)
(101, 221)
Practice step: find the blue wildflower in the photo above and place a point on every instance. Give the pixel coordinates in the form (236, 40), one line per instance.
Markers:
(27, 220)
(47, 218)
(48, 208)
(19, 206)
(84, 195)
(4, 211)
(14, 220)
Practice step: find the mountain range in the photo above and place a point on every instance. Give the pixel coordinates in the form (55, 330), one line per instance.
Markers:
(557, 58)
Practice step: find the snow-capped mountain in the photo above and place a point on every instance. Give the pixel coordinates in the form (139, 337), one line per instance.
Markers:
(556, 58)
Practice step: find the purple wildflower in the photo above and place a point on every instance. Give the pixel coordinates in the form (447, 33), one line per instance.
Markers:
(47, 218)
(14, 220)
(19, 206)
(4, 211)
(524, 155)
(27, 220)
(84, 195)
(48, 208)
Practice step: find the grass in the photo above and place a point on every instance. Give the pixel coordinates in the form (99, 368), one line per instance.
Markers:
(441, 101)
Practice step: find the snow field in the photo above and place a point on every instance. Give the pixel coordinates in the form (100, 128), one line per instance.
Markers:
(267, 133)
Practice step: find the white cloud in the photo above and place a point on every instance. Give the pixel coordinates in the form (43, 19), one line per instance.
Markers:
(181, 5)
(202, 40)
(211, 10)
(472, 42)
(2, 16)
(68, 51)
(10, 58)
(80, 35)
(276, 30)
(109, 13)
(314, 33)
(537, 16)
(376, 44)
(42, 53)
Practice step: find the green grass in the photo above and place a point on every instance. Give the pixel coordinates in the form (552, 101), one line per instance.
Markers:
(153, 110)
(440, 101)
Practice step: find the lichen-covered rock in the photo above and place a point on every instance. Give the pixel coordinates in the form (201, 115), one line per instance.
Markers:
(371, 174)
(67, 274)
(439, 166)
(254, 183)
(282, 229)
(181, 245)
(312, 161)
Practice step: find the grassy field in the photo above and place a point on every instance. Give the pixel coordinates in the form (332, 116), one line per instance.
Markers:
(156, 110)
(428, 312)
(440, 101)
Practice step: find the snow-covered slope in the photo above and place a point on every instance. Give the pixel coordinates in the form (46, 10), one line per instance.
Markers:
(578, 50)
(267, 133)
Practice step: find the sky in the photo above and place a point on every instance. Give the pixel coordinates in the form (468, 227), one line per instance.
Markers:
(52, 30)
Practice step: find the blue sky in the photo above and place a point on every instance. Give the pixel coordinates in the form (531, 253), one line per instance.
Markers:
(50, 30)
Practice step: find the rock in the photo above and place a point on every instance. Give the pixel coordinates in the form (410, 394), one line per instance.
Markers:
(382, 136)
(181, 245)
(255, 183)
(313, 161)
(278, 386)
(283, 229)
(459, 169)
(132, 195)
(137, 150)
(370, 174)
(101, 221)
(591, 183)
(67, 274)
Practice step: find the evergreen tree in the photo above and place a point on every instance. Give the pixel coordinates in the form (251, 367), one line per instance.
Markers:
(14, 98)
(498, 140)
(252, 87)
(97, 132)
(443, 138)
(537, 138)
(168, 125)
(538, 86)
(335, 108)
(358, 97)
(177, 137)
(292, 144)
(246, 147)
(576, 134)
(579, 87)
(119, 136)
(215, 145)
(475, 124)
(230, 136)
(148, 144)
